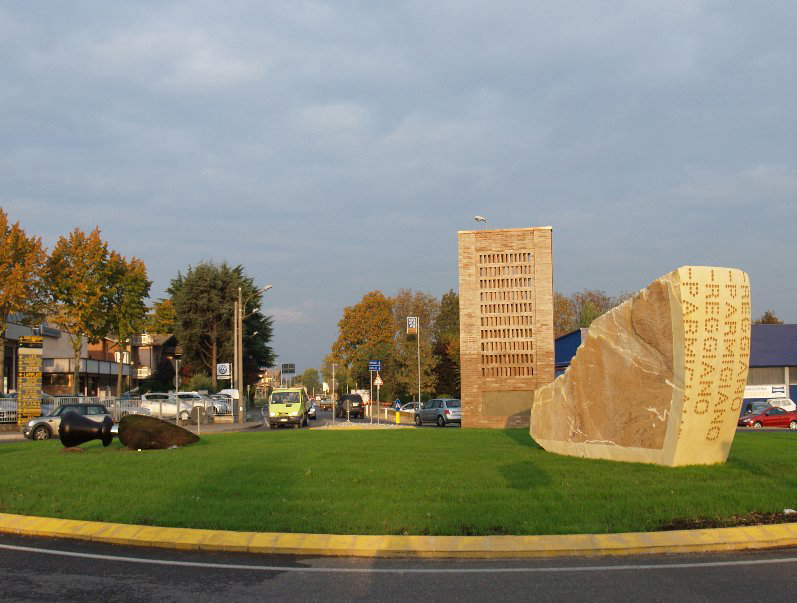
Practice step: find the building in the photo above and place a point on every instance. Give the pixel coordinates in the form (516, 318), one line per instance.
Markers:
(773, 360)
(98, 368)
(506, 323)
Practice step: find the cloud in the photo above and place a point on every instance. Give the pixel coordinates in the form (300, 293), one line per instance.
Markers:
(331, 117)
(171, 58)
(336, 148)
(289, 316)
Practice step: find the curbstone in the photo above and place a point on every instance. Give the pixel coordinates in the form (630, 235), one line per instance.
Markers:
(344, 545)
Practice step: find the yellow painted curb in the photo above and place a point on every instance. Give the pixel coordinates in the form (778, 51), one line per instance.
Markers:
(477, 547)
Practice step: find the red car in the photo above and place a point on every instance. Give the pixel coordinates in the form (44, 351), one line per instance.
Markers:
(771, 417)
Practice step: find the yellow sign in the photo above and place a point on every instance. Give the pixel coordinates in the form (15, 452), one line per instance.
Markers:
(29, 378)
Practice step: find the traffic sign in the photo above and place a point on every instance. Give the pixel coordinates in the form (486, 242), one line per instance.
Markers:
(378, 381)
(223, 370)
(289, 369)
(412, 325)
(374, 365)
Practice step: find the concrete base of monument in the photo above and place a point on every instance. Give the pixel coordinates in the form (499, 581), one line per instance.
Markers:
(344, 545)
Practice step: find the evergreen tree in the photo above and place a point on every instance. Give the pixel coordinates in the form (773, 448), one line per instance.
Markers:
(203, 304)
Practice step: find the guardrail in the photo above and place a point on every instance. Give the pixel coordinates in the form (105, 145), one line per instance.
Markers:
(117, 407)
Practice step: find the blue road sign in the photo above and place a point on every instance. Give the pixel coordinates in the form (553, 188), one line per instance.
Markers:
(374, 365)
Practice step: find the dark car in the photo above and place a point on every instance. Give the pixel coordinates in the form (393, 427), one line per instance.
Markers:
(350, 405)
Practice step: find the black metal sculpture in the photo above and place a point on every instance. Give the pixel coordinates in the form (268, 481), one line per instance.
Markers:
(75, 429)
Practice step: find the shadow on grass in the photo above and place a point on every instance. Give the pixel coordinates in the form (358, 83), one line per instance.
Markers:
(522, 438)
(525, 475)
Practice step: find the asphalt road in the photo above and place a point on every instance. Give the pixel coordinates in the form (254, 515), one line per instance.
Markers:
(42, 569)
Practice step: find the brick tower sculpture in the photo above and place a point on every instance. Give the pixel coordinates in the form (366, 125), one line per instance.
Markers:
(506, 323)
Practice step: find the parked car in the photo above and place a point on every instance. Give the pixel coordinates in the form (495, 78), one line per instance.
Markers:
(350, 405)
(409, 407)
(46, 427)
(164, 406)
(771, 417)
(753, 407)
(312, 413)
(441, 411)
(326, 403)
(192, 400)
(288, 406)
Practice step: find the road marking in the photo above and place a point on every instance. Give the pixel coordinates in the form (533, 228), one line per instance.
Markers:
(411, 570)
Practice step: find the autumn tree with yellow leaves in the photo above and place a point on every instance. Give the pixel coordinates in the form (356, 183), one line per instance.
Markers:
(79, 275)
(22, 261)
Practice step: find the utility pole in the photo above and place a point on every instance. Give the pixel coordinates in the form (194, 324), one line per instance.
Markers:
(234, 377)
(241, 385)
(333, 393)
(418, 338)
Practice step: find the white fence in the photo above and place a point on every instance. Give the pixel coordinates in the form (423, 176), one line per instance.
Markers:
(119, 407)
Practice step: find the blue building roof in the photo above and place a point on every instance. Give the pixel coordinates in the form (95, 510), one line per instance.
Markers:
(770, 345)
(773, 345)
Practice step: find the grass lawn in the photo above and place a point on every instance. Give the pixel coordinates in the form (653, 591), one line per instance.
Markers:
(413, 481)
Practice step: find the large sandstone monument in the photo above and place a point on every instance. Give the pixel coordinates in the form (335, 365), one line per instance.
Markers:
(658, 379)
(506, 323)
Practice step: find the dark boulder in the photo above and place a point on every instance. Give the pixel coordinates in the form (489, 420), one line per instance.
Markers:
(148, 433)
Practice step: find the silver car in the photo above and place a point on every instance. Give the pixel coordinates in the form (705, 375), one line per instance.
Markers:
(46, 427)
(441, 411)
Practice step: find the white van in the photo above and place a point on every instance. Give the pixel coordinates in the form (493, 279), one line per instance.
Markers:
(784, 403)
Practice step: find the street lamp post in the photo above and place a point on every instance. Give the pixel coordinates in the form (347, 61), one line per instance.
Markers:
(239, 350)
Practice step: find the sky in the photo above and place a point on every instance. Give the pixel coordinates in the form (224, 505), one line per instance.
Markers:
(334, 148)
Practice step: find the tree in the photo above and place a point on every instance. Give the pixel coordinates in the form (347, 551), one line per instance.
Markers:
(342, 377)
(446, 345)
(589, 304)
(200, 381)
(78, 275)
(404, 373)
(564, 315)
(22, 260)
(311, 380)
(161, 317)
(768, 318)
(203, 305)
(365, 332)
(129, 288)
